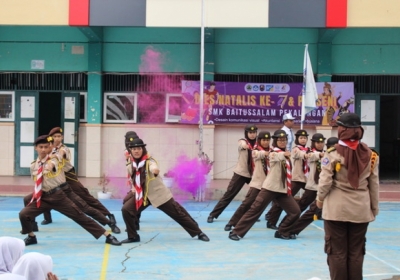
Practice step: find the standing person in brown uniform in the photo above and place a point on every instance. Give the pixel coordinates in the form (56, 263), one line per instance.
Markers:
(276, 186)
(348, 193)
(313, 213)
(147, 187)
(299, 173)
(242, 172)
(261, 166)
(64, 155)
(49, 181)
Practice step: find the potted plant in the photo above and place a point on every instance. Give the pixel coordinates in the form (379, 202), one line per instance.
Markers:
(103, 182)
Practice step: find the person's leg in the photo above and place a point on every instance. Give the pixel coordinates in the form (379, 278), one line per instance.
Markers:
(290, 206)
(129, 215)
(307, 198)
(336, 247)
(179, 214)
(246, 204)
(235, 185)
(305, 219)
(261, 202)
(357, 242)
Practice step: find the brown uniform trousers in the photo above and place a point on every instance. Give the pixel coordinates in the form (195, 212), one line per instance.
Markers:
(275, 212)
(246, 204)
(171, 208)
(78, 201)
(345, 247)
(57, 199)
(235, 185)
(308, 199)
(261, 202)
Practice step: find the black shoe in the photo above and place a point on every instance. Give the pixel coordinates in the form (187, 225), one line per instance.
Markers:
(30, 240)
(112, 240)
(210, 219)
(281, 236)
(228, 227)
(34, 226)
(114, 228)
(46, 222)
(258, 220)
(234, 236)
(203, 237)
(131, 240)
(292, 236)
(271, 226)
(266, 217)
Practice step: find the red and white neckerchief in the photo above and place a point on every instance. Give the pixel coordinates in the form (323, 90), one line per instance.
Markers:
(288, 166)
(352, 144)
(37, 194)
(265, 162)
(136, 183)
(306, 167)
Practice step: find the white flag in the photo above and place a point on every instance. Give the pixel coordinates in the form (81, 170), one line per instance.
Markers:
(310, 95)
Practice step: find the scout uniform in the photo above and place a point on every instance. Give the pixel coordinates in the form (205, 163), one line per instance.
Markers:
(348, 191)
(261, 167)
(51, 196)
(299, 179)
(276, 186)
(150, 188)
(241, 174)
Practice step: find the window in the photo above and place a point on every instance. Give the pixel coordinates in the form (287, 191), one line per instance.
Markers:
(7, 105)
(83, 107)
(120, 107)
(173, 107)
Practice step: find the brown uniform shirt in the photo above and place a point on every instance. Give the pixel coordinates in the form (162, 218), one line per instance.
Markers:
(312, 163)
(259, 174)
(52, 177)
(273, 181)
(241, 166)
(297, 156)
(341, 201)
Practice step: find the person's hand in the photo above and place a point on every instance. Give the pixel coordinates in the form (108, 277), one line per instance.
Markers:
(321, 155)
(319, 203)
(51, 276)
(287, 154)
(156, 171)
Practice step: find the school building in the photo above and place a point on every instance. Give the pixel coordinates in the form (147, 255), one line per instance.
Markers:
(101, 68)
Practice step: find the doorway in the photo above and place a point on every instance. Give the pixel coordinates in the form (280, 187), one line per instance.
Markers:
(49, 111)
(389, 162)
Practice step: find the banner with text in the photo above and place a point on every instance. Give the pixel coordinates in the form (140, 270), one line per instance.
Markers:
(230, 102)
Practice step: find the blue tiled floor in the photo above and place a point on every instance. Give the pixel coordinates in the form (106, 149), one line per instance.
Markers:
(166, 251)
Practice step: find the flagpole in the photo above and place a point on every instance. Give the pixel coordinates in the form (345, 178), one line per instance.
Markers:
(304, 87)
(201, 113)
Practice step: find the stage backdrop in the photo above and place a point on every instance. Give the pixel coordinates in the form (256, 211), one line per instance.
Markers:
(229, 102)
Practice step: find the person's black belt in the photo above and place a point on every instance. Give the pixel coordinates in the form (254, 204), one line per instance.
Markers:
(60, 187)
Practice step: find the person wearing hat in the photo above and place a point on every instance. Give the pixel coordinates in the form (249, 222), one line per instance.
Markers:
(80, 195)
(242, 172)
(299, 156)
(348, 193)
(276, 186)
(308, 197)
(148, 187)
(288, 123)
(48, 194)
(261, 166)
(313, 213)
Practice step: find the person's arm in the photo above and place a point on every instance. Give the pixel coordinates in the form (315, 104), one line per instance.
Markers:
(153, 167)
(325, 179)
(373, 186)
(242, 145)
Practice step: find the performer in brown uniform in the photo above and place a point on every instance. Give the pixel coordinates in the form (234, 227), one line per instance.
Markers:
(75, 190)
(261, 166)
(299, 173)
(242, 172)
(348, 193)
(147, 186)
(276, 186)
(49, 181)
(308, 197)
